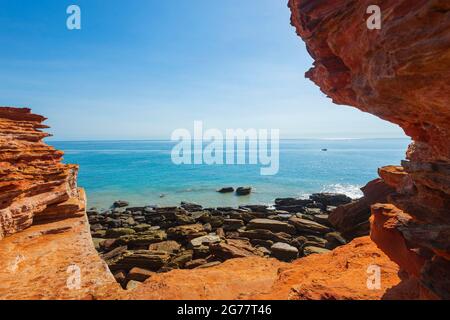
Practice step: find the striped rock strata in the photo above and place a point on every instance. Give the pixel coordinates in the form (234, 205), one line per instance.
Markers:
(400, 73)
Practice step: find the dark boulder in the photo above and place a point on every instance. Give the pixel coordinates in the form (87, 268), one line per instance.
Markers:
(330, 199)
(234, 248)
(226, 190)
(232, 224)
(140, 274)
(308, 226)
(121, 204)
(243, 191)
(287, 202)
(271, 225)
(191, 206)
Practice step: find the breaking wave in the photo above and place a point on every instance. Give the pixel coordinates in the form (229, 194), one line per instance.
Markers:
(350, 190)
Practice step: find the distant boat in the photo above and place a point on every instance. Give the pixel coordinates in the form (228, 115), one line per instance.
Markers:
(324, 149)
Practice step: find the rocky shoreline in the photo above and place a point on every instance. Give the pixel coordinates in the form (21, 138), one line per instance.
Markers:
(138, 242)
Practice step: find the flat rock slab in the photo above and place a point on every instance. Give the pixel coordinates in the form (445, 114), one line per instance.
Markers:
(37, 263)
(232, 224)
(139, 274)
(197, 242)
(166, 246)
(234, 248)
(265, 235)
(143, 239)
(305, 225)
(284, 251)
(186, 231)
(145, 259)
(235, 279)
(341, 274)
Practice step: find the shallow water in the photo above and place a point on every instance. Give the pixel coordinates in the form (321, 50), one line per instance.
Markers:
(141, 171)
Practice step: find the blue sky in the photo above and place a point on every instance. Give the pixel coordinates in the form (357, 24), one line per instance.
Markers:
(140, 69)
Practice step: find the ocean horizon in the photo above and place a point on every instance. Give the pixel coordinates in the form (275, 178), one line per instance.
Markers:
(141, 171)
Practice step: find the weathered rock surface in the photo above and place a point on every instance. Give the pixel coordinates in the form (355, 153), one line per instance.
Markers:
(309, 250)
(186, 232)
(400, 74)
(44, 261)
(145, 259)
(243, 191)
(284, 251)
(205, 240)
(341, 274)
(330, 199)
(142, 239)
(352, 219)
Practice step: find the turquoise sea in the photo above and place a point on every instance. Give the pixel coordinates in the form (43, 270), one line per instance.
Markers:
(142, 172)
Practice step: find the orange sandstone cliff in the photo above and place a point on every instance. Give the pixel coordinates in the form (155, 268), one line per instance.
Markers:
(400, 73)
(45, 245)
(34, 185)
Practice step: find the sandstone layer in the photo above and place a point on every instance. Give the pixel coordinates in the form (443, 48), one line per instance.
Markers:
(54, 260)
(34, 185)
(400, 73)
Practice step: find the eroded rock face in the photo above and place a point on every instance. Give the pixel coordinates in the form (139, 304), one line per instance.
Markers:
(34, 185)
(45, 245)
(55, 260)
(399, 73)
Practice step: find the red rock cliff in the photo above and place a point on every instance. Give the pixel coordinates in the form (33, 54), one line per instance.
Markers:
(45, 245)
(400, 73)
(34, 185)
